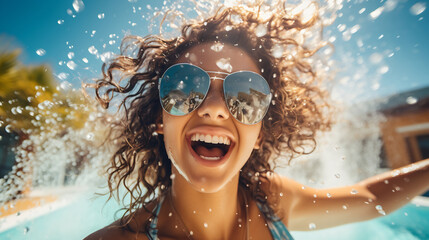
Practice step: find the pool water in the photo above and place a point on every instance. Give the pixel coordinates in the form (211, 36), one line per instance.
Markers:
(86, 214)
(408, 223)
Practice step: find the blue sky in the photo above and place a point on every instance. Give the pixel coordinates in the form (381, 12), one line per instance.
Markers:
(386, 54)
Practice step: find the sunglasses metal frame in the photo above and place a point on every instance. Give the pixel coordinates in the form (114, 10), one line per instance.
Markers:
(223, 87)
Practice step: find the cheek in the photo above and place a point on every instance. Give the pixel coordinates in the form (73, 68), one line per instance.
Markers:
(248, 137)
(173, 132)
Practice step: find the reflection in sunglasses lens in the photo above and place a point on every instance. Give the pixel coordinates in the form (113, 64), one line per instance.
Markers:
(247, 95)
(182, 89)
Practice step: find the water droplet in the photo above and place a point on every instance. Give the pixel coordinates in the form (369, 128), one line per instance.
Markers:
(376, 58)
(40, 52)
(85, 60)
(90, 136)
(383, 69)
(337, 175)
(78, 5)
(100, 16)
(191, 233)
(344, 207)
(26, 230)
(354, 191)
(62, 76)
(217, 47)
(311, 226)
(60, 21)
(341, 27)
(281, 194)
(328, 195)
(380, 210)
(236, 19)
(354, 29)
(261, 30)
(106, 56)
(376, 13)
(224, 64)
(228, 28)
(70, 55)
(277, 51)
(71, 64)
(111, 42)
(411, 100)
(418, 8)
(8, 128)
(93, 50)
(375, 86)
(206, 225)
(362, 10)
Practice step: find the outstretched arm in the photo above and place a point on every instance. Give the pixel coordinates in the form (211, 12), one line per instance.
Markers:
(373, 197)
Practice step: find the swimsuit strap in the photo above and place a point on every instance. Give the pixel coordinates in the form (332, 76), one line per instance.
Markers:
(277, 228)
(153, 231)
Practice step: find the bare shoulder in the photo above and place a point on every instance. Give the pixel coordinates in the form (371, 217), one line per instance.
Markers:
(280, 185)
(116, 231)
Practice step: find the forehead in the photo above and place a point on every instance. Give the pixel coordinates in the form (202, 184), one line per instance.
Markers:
(219, 57)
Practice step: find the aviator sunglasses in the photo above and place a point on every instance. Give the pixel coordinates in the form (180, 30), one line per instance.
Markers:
(183, 87)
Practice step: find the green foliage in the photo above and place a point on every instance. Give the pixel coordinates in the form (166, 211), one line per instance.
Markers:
(31, 99)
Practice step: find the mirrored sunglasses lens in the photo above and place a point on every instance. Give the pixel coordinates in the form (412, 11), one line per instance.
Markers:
(248, 96)
(182, 89)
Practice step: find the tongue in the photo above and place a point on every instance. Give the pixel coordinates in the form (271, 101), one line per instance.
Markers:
(212, 152)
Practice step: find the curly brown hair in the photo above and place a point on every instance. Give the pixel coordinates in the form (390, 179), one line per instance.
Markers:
(288, 129)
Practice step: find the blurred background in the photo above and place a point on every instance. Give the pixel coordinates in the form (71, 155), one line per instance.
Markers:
(51, 151)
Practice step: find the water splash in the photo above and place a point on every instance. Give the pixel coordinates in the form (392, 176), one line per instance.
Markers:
(57, 146)
(41, 52)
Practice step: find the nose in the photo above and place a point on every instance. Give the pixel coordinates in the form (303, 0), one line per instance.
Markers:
(214, 106)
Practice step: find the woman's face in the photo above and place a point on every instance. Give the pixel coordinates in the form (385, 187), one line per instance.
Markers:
(205, 166)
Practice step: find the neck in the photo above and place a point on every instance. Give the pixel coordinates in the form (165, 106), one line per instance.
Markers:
(207, 215)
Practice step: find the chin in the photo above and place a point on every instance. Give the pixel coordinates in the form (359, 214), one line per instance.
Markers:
(205, 184)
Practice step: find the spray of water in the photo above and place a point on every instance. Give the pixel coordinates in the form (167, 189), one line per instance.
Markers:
(56, 154)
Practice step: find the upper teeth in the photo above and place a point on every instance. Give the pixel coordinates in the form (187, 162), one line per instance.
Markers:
(210, 138)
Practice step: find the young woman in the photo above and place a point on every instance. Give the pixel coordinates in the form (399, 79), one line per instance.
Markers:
(207, 113)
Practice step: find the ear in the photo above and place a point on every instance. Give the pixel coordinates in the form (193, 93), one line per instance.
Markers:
(258, 142)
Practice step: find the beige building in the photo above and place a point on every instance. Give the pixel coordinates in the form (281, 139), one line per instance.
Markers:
(405, 132)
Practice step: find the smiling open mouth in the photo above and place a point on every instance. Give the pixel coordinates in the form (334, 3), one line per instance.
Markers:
(212, 148)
